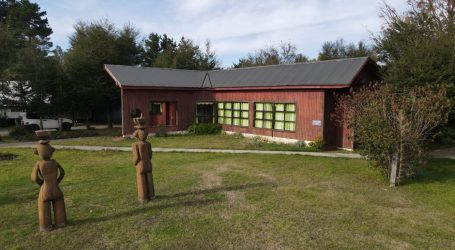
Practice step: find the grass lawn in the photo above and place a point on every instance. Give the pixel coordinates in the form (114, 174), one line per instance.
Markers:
(208, 201)
(190, 141)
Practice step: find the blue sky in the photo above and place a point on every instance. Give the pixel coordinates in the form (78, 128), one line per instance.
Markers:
(234, 27)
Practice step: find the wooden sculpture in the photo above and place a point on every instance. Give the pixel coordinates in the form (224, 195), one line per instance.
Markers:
(142, 159)
(48, 174)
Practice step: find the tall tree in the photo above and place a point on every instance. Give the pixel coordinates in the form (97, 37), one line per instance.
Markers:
(162, 51)
(283, 53)
(417, 47)
(92, 46)
(339, 49)
(24, 46)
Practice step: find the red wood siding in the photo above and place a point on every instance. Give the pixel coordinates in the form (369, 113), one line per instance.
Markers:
(185, 109)
(309, 107)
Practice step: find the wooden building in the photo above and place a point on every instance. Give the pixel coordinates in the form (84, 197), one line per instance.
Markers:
(288, 103)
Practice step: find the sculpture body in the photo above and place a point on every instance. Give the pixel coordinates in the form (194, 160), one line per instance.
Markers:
(48, 174)
(142, 159)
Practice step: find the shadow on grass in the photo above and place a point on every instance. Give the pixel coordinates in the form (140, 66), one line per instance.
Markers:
(437, 170)
(153, 206)
(217, 189)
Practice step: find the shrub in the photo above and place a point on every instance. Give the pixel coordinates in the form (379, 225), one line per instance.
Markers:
(317, 144)
(204, 129)
(161, 132)
(392, 128)
(19, 131)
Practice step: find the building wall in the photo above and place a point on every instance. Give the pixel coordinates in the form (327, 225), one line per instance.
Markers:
(139, 99)
(309, 107)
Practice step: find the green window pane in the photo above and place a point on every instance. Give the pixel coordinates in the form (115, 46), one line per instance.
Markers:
(290, 117)
(236, 121)
(244, 114)
(290, 107)
(227, 113)
(290, 126)
(267, 124)
(258, 123)
(279, 107)
(220, 112)
(259, 115)
(268, 107)
(268, 115)
(220, 120)
(236, 105)
(228, 121)
(279, 116)
(259, 106)
(245, 106)
(236, 113)
(228, 105)
(245, 122)
(279, 125)
(220, 105)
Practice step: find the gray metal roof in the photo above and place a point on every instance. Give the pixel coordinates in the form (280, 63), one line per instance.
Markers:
(323, 73)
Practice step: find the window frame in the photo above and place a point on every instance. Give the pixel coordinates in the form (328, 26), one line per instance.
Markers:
(274, 112)
(213, 115)
(151, 111)
(232, 111)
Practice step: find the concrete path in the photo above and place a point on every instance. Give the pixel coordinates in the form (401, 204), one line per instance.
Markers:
(188, 150)
(448, 153)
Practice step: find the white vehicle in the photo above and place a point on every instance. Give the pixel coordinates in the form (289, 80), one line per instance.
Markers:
(33, 122)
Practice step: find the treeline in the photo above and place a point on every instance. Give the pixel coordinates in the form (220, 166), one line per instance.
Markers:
(414, 48)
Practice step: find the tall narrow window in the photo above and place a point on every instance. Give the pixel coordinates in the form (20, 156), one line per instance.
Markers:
(204, 112)
(279, 116)
(233, 113)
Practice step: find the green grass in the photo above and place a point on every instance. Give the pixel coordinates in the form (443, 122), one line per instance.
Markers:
(190, 141)
(208, 201)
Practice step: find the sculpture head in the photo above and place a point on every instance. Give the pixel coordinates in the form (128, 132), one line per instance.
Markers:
(45, 151)
(139, 122)
(141, 134)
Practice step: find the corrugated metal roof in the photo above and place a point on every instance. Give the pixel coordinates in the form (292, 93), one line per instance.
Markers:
(323, 73)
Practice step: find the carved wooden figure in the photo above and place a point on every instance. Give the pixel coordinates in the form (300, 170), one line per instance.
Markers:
(48, 174)
(142, 159)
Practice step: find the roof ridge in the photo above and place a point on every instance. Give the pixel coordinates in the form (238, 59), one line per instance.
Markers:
(244, 68)
(291, 64)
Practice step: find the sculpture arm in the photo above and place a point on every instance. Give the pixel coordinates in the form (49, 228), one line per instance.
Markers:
(150, 148)
(136, 157)
(61, 173)
(36, 175)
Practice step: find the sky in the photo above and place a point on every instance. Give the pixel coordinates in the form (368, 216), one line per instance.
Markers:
(234, 27)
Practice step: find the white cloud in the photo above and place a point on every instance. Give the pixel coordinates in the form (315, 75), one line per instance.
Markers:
(235, 27)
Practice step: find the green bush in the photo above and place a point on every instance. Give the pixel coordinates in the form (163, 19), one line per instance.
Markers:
(317, 144)
(161, 132)
(204, 129)
(19, 131)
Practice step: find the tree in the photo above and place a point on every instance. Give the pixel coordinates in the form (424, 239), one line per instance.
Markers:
(283, 53)
(339, 49)
(416, 47)
(163, 52)
(24, 46)
(392, 128)
(92, 46)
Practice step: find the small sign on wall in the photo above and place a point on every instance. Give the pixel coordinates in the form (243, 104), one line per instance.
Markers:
(317, 123)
